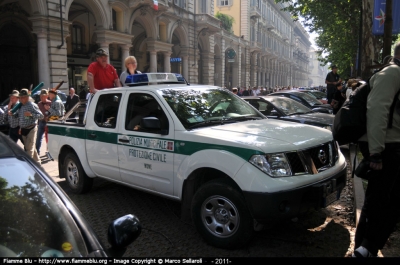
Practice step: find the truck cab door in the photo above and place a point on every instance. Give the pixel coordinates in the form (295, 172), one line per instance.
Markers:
(102, 136)
(146, 156)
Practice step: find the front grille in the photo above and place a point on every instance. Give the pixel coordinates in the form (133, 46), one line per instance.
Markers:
(313, 160)
(296, 164)
(320, 155)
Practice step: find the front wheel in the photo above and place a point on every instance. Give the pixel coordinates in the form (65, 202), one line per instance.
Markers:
(76, 177)
(221, 216)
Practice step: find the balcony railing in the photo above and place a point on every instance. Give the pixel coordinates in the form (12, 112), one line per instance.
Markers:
(206, 20)
(79, 48)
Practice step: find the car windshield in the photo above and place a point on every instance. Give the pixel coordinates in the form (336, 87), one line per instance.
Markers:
(208, 106)
(310, 99)
(33, 220)
(317, 94)
(288, 106)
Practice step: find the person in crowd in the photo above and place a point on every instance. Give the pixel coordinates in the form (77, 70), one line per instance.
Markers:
(56, 109)
(28, 116)
(246, 92)
(331, 80)
(101, 74)
(72, 100)
(351, 86)
(82, 94)
(131, 65)
(13, 119)
(255, 91)
(381, 145)
(235, 90)
(338, 98)
(42, 124)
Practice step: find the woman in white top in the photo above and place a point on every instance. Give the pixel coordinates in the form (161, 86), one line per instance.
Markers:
(130, 64)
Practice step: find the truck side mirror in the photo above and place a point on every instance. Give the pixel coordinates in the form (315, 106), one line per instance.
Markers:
(122, 232)
(152, 124)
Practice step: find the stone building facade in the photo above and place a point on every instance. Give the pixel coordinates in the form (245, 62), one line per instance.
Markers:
(317, 71)
(53, 40)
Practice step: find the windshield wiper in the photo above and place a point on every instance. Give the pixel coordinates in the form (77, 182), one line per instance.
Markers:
(206, 123)
(297, 113)
(242, 118)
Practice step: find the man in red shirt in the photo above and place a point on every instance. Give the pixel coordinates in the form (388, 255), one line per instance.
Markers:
(100, 74)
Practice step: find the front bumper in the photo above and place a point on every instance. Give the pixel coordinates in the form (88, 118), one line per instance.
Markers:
(270, 207)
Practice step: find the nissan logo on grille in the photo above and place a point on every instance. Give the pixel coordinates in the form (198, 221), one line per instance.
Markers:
(322, 156)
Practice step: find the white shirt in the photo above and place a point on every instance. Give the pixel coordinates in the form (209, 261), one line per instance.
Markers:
(348, 92)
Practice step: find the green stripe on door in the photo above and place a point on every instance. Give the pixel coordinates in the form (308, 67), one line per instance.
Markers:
(180, 147)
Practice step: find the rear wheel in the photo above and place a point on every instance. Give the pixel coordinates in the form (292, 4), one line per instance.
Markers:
(221, 216)
(76, 177)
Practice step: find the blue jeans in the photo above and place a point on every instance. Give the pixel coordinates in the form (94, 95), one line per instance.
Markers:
(39, 137)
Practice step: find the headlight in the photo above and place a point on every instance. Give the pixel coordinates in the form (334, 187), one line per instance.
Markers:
(329, 128)
(275, 165)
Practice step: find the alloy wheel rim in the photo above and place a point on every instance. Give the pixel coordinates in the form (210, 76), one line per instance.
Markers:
(72, 173)
(220, 216)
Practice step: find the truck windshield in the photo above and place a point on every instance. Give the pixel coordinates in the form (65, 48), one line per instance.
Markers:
(194, 106)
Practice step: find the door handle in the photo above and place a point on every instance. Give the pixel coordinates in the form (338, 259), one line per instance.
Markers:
(92, 135)
(123, 140)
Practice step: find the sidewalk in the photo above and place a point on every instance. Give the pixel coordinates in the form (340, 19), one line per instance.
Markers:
(51, 167)
(358, 189)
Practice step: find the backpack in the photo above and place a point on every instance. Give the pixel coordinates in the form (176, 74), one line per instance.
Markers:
(350, 121)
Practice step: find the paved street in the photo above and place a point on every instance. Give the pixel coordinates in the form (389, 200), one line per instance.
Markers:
(164, 235)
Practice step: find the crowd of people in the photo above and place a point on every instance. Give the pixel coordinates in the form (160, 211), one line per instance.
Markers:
(29, 123)
(28, 120)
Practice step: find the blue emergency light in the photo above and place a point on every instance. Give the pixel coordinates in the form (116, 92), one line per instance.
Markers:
(154, 78)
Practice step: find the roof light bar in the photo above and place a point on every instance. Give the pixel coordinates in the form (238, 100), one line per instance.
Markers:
(154, 78)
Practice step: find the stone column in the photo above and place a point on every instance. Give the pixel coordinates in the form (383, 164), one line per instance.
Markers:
(153, 61)
(43, 59)
(185, 66)
(125, 53)
(239, 65)
(185, 62)
(167, 62)
(262, 77)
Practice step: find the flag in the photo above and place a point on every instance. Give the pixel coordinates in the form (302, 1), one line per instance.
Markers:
(379, 17)
(155, 2)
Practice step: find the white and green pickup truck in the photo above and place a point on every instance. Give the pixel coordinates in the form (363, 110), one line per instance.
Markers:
(229, 166)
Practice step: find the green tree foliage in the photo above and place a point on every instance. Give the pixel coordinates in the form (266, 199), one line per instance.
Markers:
(337, 25)
(226, 21)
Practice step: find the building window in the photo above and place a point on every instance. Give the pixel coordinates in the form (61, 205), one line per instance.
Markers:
(78, 46)
(225, 2)
(180, 3)
(114, 19)
(203, 6)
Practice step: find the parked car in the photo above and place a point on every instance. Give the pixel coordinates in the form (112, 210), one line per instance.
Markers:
(321, 96)
(283, 108)
(37, 219)
(306, 100)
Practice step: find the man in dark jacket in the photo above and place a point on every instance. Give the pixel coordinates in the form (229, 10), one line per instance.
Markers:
(332, 79)
(72, 100)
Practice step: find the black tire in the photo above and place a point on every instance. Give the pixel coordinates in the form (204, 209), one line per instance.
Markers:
(74, 174)
(221, 216)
